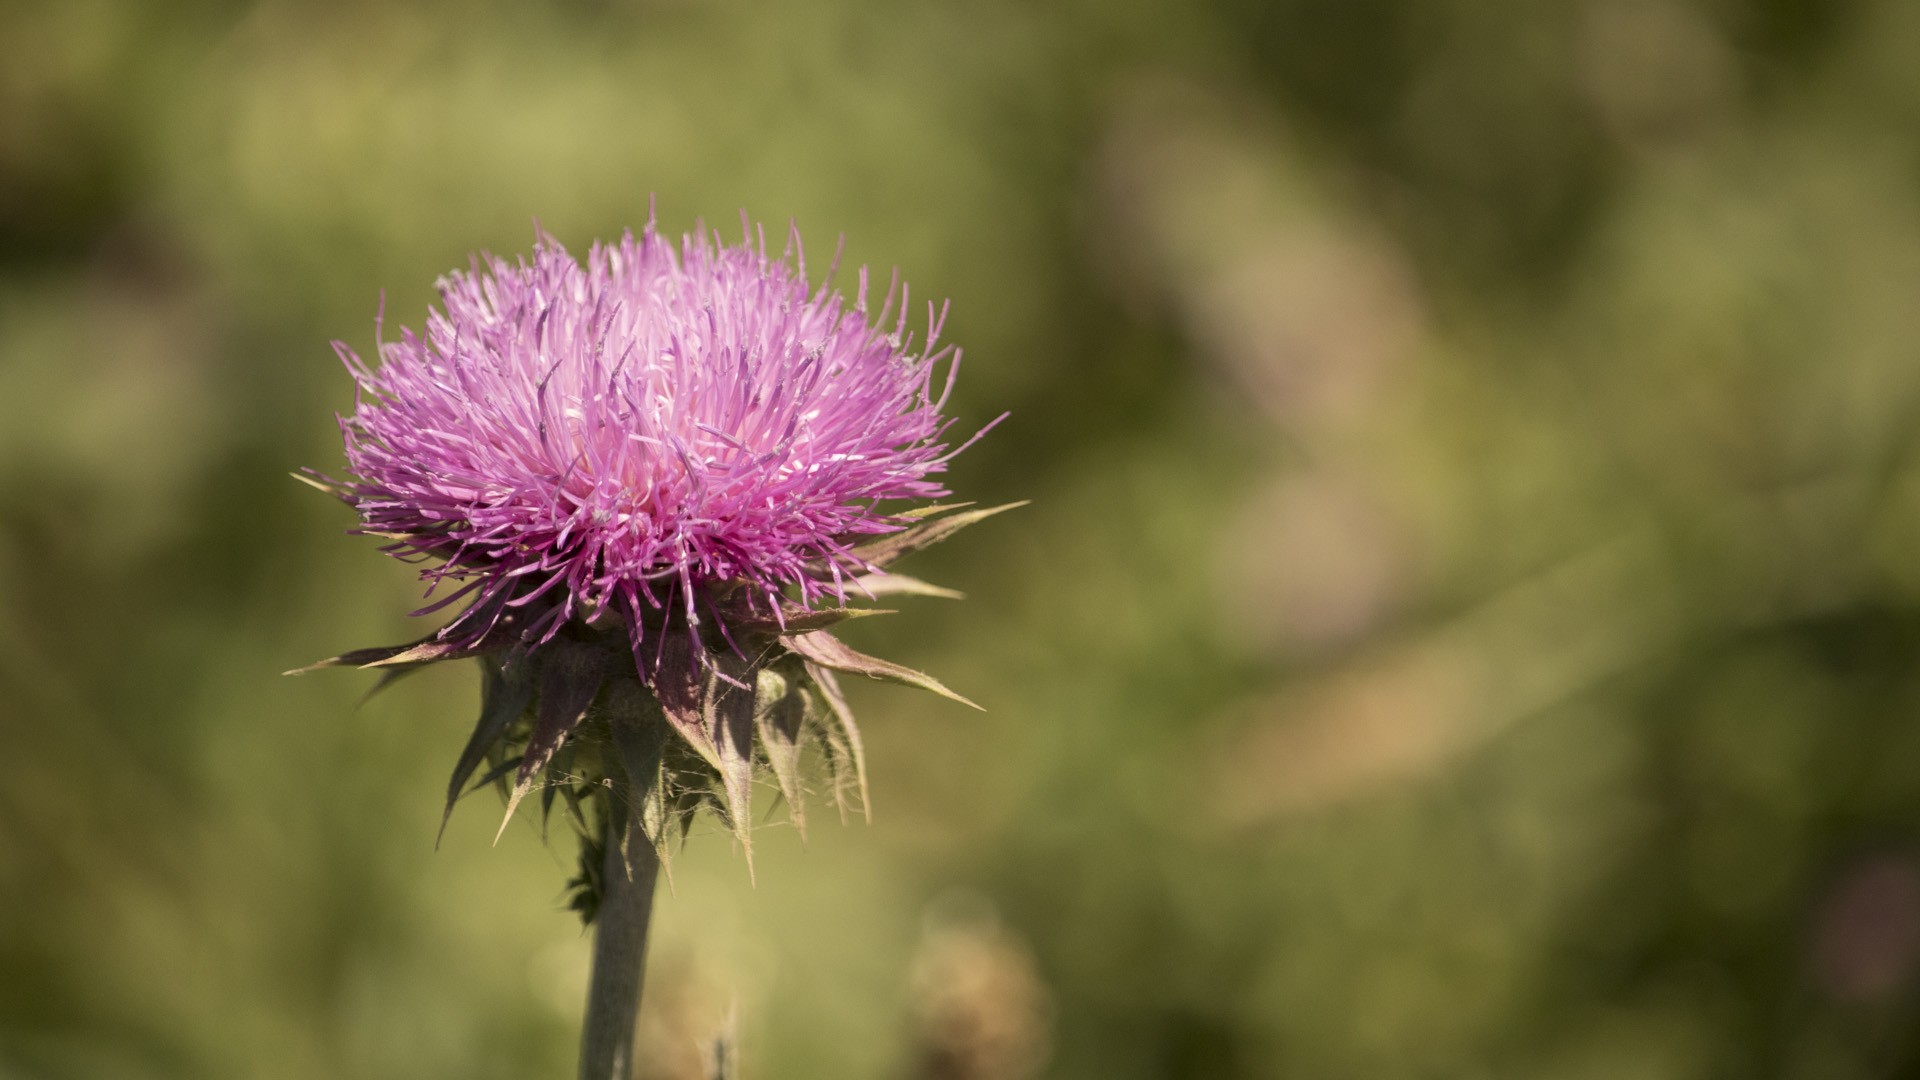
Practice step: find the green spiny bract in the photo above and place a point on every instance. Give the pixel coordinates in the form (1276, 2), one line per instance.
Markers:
(715, 705)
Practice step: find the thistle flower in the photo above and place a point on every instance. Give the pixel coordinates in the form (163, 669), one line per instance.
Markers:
(622, 434)
(656, 479)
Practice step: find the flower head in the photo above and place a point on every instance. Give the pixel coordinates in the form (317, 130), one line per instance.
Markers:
(657, 478)
(622, 435)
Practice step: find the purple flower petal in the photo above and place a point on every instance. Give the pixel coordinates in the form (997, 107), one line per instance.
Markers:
(620, 434)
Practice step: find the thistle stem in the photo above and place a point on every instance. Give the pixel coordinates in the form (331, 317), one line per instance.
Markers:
(619, 952)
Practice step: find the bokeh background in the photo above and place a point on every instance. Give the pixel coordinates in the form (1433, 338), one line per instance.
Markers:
(1467, 625)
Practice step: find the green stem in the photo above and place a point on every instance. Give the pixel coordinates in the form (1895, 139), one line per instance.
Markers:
(619, 951)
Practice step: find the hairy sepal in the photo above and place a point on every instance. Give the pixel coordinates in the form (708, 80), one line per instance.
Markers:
(823, 650)
(878, 554)
(794, 619)
(569, 680)
(708, 699)
(884, 584)
(779, 717)
(428, 650)
(839, 739)
(505, 692)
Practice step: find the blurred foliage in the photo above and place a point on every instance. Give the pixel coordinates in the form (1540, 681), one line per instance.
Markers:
(1466, 625)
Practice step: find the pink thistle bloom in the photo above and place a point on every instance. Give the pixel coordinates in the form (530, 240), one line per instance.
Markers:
(689, 453)
(641, 433)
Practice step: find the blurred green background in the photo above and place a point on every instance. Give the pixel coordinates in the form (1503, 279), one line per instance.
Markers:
(1468, 624)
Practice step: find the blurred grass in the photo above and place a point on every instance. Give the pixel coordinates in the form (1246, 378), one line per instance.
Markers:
(1465, 626)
